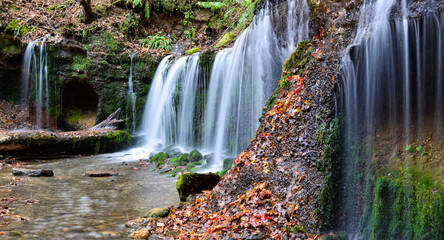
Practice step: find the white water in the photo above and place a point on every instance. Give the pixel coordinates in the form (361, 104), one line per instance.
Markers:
(242, 78)
(132, 97)
(35, 82)
(391, 90)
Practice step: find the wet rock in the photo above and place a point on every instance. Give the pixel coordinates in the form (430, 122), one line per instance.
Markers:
(32, 172)
(136, 223)
(101, 173)
(140, 234)
(157, 213)
(192, 183)
(227, 163)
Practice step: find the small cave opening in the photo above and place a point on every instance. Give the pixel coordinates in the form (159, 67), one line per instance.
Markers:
(79, 105)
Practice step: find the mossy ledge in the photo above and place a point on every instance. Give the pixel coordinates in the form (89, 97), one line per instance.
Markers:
(29, 144)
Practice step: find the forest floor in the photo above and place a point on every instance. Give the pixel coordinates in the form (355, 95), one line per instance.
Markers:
(34, 19)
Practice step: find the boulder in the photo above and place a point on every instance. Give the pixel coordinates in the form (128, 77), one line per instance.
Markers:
(192, 183)
(32, 172)
(157, 213)
(101, 173)
(140, 234)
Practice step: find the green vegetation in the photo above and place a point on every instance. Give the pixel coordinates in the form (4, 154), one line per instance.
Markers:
(157, 41)
(225, 39)
(295, 64)
(16, 28)
(299, 59)
(159, 158)
(213, 6)
(328, 136)
(407, 204)
(192, 51)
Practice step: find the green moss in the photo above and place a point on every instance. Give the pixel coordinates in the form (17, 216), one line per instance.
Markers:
(15, 27)
(80, 63)
(174, 172)
(14, 234)
(329, 165)
(174, 160)
(340, 236)
(157, 213)
(299, 59)
(182, 183)
(408, 204)
(192, 51)
(225, 39)
(295, 64)
(159, 158)
(222, 173)
(195, 156)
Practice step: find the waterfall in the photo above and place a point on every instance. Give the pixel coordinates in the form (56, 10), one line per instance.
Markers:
(169, 108)
(35, 75)
(245, 75)
(241, 79)
(131, 109)
(392, 94)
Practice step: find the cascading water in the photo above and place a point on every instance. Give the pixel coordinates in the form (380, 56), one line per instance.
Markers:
(391, 98)
(166, 121)
(132, 97)
(245, 75)
(242, 77)
(35, 75)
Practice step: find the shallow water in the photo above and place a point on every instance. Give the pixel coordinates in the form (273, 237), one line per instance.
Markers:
(72, 206)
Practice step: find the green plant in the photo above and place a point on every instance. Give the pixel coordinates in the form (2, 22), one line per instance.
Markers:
(157, 41)
(213, 6)
(407, 148)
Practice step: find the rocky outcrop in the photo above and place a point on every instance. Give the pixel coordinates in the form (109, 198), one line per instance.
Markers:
(192, 183)
(42, 144)
(101, 173)
(32, 172)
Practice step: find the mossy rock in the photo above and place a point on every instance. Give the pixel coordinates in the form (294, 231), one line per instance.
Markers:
(222, 173)
(172, 151)
(195, 156)
(14, 234)
(225, 39)
(192, 183)
(160, 156)
(192, 51)
(299, 59)
(407, 194)
(157, 213)
(227, 163)
(174, 160)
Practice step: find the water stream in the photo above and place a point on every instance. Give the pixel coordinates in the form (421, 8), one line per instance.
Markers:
(72, 206)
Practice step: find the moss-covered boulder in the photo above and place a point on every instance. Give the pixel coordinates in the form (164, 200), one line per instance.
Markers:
(157, 213)
(159, 158)
(192, 183)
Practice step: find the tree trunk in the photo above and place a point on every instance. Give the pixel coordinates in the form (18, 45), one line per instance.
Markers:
(89, 13)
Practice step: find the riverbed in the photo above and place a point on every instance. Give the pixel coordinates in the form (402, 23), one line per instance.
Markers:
(73, 206)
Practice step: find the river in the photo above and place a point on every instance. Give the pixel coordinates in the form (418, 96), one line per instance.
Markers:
(71, 205)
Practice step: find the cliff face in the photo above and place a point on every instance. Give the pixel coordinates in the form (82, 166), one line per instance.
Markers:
(284, 184)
